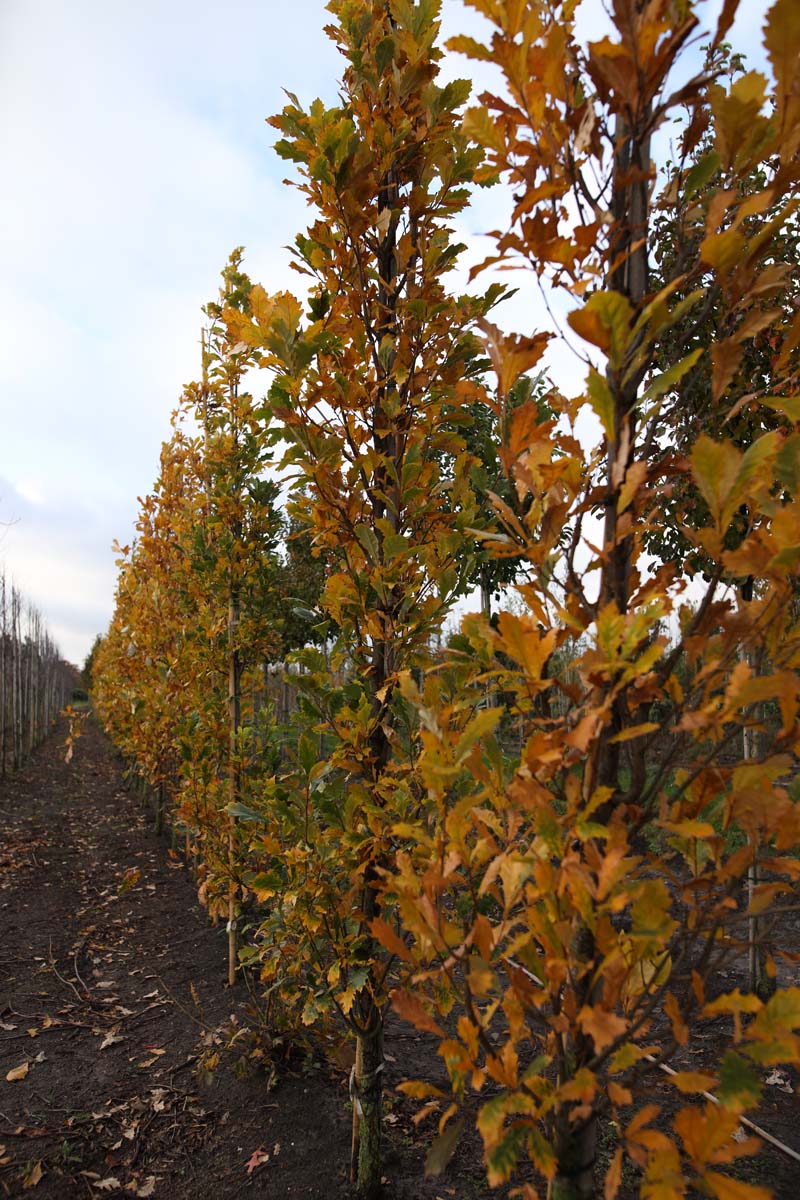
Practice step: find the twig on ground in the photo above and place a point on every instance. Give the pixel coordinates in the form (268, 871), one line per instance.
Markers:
(51, 960)
(762, 1133)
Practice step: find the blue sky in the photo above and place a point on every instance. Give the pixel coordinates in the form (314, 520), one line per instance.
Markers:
(135, 158)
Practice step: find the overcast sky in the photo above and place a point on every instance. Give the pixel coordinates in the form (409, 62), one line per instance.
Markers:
(135, 157)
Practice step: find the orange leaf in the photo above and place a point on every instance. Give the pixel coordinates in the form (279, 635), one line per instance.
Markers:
(613, 1176)
(411, 1009)
(602, 1026)
(389, 938)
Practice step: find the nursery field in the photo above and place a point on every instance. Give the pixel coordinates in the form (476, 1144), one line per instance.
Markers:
(111, 992)
(447, 838)
(114, 995)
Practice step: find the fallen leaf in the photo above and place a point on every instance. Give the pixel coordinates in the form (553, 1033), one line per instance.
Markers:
(256, 1159)
(780, 1080)
(148, 1187)
(107, 1185)
(18, 1073)
(6, 1026)
(33, 1176)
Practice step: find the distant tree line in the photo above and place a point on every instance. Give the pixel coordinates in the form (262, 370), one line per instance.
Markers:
(35, 681)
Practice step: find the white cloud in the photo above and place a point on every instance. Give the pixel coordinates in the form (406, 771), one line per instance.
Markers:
(135, 157)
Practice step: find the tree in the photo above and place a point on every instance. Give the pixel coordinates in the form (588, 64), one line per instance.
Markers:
(749, 363)
(197, 614)
(88, 666)
(529, 906)
(301, 581)
(361, 390)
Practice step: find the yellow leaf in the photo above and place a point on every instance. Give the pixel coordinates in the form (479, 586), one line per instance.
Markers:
(636, 731)
(782, 42)
(34, 1175)
(605, 322)
(715, 466)
(693, 1081)
(523, 641)
(725, 1188)
(18, 1072)
(602, 401)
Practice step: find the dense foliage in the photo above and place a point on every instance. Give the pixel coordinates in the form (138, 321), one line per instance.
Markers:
(553, 907)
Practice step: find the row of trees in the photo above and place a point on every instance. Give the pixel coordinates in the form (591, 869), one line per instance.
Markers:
(555, 911)
(35, 682)
(206, 605)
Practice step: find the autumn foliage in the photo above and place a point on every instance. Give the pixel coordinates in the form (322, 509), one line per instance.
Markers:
(542, 842)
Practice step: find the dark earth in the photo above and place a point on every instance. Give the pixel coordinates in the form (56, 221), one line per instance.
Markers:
(116, 1024)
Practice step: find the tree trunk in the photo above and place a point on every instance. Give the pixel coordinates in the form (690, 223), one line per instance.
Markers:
(576, 1143)
(159, 821)
(757, 945)
(369, 1096)
(576, 1150)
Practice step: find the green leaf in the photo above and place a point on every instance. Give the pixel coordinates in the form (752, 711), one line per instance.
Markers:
(244, 813)
(483, 723)
(443, 1148)
(502, 1159)
(701, 172)
(665, 382)
(307, 751)
(602, 401)
(369, 542)
(788, 405)
(739, 1086)
(384, 53)
(357, 978)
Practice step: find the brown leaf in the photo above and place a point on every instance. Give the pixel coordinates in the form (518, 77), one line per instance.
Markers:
(18, 1072)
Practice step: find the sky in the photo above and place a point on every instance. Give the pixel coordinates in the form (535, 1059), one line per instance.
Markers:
(135, 157)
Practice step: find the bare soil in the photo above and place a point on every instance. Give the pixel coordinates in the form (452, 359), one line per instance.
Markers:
(113, 994)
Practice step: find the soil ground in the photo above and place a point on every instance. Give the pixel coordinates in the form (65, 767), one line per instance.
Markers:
(112, 993)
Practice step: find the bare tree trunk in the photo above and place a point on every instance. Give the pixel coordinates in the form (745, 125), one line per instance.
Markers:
(234, 774)
(3, 668)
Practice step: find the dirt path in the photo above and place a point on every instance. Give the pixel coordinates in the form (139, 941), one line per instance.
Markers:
(112, 985)
(109, 975)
